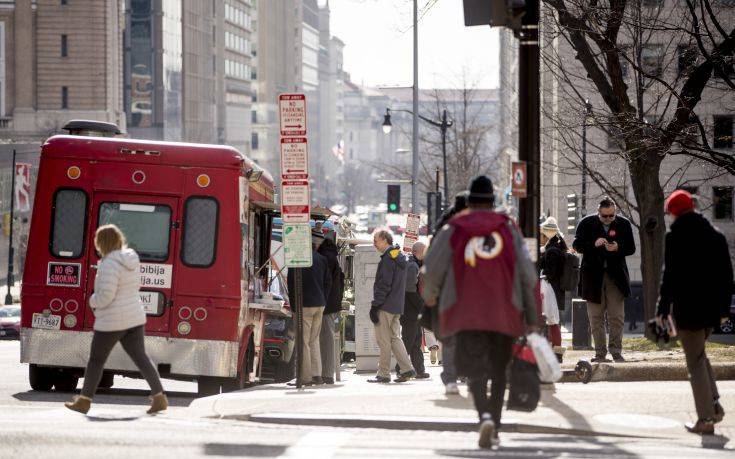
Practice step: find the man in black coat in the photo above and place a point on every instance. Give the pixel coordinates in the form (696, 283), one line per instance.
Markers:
(330, 319)
(698, 282)
(315, 285)
(410, 330)
(604, 240)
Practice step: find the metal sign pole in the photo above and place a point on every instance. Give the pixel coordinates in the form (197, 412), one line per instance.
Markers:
(9, 296)
(299, 300)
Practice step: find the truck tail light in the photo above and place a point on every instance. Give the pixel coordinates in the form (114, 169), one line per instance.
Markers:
(70, 321)
(200, 314)
(56, 304)
(184, 328)
(185, 313)
(71, 306)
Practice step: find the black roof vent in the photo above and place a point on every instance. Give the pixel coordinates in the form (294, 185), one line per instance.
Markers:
(90, 128)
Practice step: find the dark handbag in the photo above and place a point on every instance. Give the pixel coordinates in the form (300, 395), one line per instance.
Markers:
(525, 391)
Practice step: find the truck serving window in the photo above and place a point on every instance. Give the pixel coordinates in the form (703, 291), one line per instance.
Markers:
(145, 226)
(69, 221)
(200, 232)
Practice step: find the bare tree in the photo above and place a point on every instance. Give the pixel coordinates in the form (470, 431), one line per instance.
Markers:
(648, 108)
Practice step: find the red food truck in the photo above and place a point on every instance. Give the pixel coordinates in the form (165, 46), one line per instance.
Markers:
(195, 215)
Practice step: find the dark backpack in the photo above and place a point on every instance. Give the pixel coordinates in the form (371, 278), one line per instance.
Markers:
(570, 274)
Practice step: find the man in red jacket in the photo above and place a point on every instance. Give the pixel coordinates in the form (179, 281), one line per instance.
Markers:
(479, 276)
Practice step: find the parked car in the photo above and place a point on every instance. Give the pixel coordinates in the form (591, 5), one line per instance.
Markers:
(10, 322)
(729, 326)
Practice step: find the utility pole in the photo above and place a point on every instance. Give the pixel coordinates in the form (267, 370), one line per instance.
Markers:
(9, 296)
(415, 143)
(529, 120)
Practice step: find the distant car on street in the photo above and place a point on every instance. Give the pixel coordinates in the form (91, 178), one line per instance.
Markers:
(10, 322)
(729, 326)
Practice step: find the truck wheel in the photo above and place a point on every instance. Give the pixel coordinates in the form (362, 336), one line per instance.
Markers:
(207, 385)
(285, 372)
(65, 381)
(241, 381)
(40, 378)
(107, 381)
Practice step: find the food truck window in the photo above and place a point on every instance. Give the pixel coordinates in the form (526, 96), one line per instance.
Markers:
(69, 221)
(200, 232)
(145, 226)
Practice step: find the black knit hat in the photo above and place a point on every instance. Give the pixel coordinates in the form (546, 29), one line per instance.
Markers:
(481, 190)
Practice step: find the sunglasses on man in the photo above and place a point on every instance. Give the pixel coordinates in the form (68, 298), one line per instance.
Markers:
(607, 216)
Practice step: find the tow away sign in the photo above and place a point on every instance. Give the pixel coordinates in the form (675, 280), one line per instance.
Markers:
(292, 109)
(294, 158)
(295, 201)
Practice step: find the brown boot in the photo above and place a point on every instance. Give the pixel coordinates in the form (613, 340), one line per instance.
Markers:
(159, 403)
(701, 427)
(79, 403)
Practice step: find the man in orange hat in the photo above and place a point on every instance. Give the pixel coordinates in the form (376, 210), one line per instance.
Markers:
(696, 289)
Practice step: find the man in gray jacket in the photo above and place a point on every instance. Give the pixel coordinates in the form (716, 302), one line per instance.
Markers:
(387, 306)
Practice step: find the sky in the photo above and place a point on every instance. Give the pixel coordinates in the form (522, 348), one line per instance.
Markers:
(378, 41)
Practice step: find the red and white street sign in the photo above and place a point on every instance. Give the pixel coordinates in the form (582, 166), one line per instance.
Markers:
(294, 158)
(292, 109)
(413, 222)
(295, 201)
(23, 187)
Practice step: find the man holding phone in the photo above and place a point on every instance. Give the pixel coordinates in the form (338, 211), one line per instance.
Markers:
(604, 240)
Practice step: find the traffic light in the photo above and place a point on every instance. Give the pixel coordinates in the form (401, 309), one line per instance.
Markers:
(496, 13)
(572, 213)
(394, 199)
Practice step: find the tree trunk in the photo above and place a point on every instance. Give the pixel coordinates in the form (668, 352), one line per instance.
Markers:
(649, 195)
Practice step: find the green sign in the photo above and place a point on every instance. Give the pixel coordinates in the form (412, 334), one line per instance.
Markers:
(297, 245)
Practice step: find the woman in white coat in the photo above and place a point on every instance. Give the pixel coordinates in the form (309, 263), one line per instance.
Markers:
(119, 317)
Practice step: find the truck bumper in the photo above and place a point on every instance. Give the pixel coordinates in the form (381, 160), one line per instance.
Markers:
(185, 356)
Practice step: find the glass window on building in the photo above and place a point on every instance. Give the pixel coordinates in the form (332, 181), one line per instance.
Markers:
(64, 46)
(723, 131)
(687, 57)
(652, 59)
(64, 97)
(722, 202)
(254, 141)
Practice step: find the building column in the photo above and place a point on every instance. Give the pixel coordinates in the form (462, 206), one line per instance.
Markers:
(24, 56)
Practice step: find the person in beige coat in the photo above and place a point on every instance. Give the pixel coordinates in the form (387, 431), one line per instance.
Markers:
(119, 317)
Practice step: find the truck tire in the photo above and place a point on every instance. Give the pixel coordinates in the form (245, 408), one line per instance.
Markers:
(40, 378)
(107, 381)
(65, 381)
(207, 385)
(241, 381)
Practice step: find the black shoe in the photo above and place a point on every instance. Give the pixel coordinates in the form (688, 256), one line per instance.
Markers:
(405, 376)
(379, 379)
(701, 427)
(719, 412)
(305, 384)
(317, 380)
(327, 380)
(488, 433)
(599, 358)
(423, 376)
(618, 357)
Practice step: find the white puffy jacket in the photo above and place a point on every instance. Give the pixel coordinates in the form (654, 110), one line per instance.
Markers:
(116, 300)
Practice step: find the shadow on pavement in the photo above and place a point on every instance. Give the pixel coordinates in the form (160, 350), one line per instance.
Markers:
(109, 396)
(243, 450)
(574, 417)
(456, 402)
(714, 441)
(572, 447)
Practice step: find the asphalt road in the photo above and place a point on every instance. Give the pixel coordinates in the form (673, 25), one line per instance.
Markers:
(34, 424)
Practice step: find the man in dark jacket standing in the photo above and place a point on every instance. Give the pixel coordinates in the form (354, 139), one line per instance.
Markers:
(387, 306)
(698, 282)
(604, 240)
(410, 330)
(480, 278)
(331, 312)
(314, 283)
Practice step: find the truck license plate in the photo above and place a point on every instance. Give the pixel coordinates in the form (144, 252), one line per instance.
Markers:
(50, 322)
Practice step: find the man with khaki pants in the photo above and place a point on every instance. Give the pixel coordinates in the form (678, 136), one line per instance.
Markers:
(387, 306)
(604, 240)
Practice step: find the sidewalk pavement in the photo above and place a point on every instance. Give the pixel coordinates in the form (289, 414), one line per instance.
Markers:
(657, 409)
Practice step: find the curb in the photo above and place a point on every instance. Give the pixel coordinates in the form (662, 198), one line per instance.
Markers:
(645, 371)
(413, 423)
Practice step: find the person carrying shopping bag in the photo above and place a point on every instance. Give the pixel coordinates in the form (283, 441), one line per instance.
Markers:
(119, 317)
(553, 250)
(696, 289)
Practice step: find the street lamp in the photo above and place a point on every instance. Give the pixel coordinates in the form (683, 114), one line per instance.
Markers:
(587, 118)
(442, 125)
